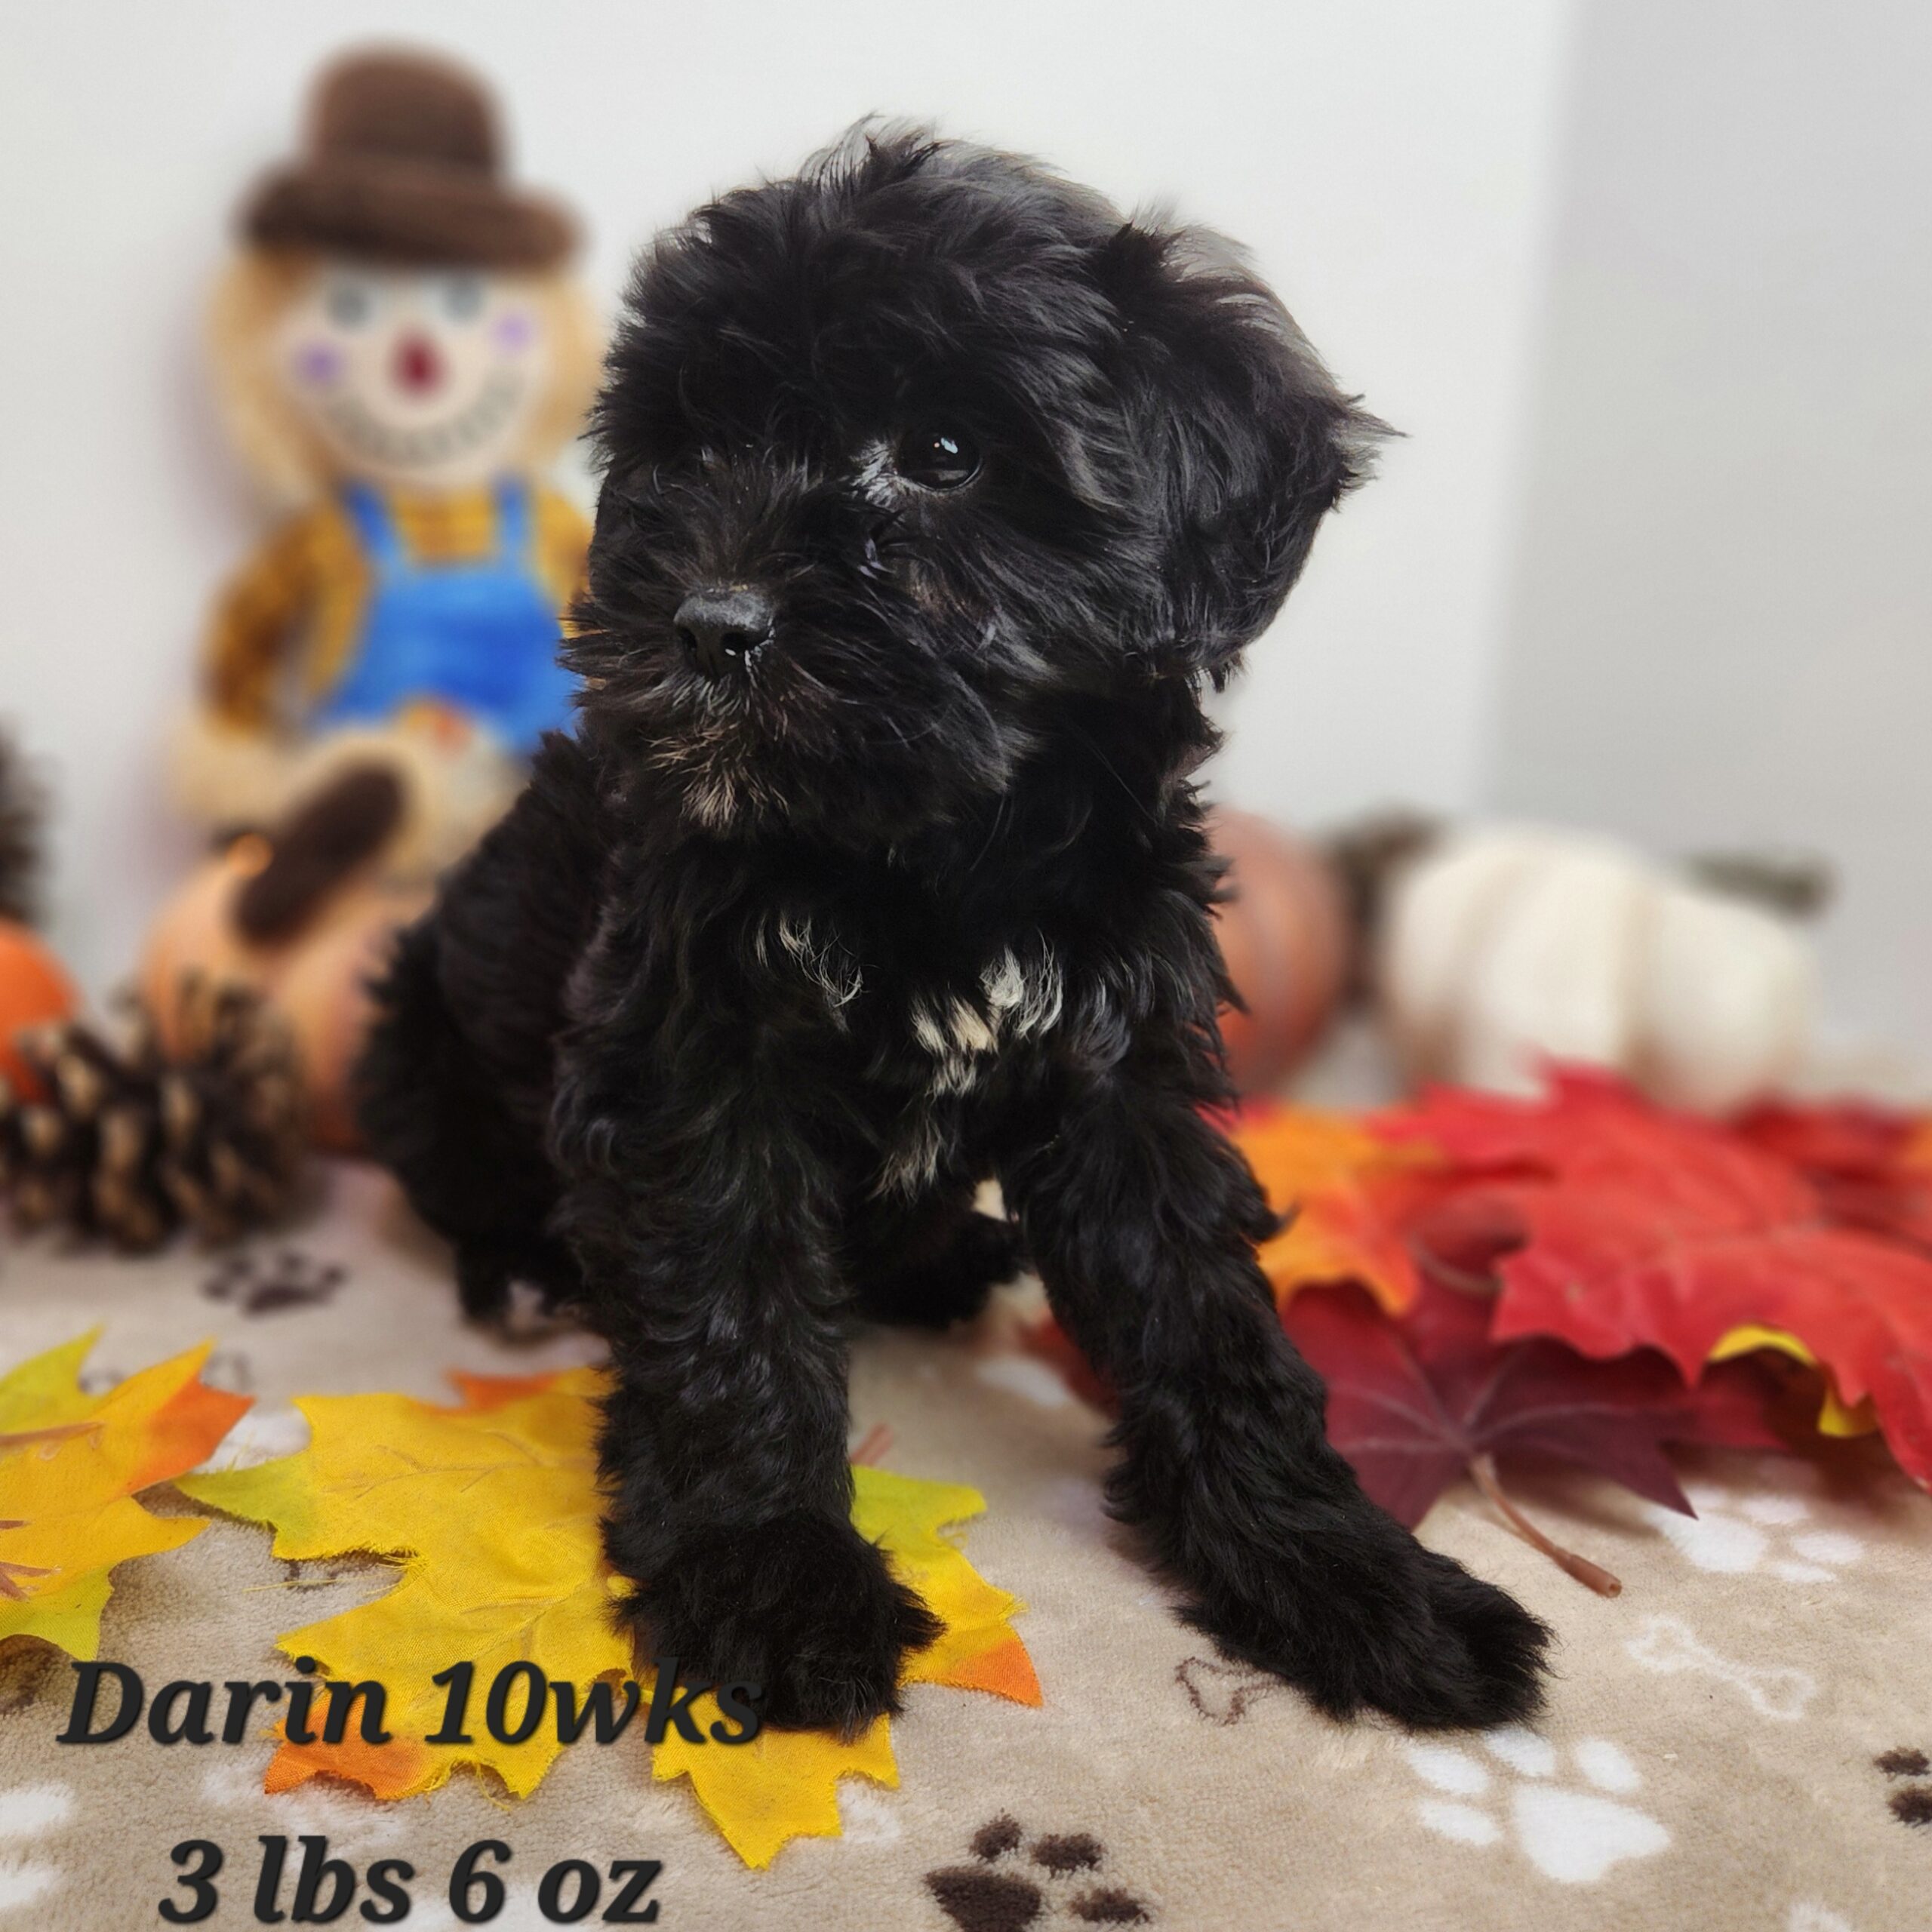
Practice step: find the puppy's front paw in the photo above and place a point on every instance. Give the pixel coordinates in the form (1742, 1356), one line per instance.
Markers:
(1352, 1609)
(1499, 1649)
(802, 1605)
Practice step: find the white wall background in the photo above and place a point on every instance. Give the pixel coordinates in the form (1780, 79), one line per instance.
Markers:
(1387, 160)
(1721, 629)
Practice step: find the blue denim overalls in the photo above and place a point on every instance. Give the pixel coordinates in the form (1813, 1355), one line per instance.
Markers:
(481, 633)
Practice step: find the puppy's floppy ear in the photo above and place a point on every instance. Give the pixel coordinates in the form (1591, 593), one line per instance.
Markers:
(1250, 442)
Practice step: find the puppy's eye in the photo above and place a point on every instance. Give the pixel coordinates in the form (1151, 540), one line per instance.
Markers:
(937, 457)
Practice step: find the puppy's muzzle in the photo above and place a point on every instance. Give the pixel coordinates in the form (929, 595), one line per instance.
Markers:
(722, 628)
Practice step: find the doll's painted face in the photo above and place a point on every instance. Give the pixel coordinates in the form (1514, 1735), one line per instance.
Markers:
(421, 379)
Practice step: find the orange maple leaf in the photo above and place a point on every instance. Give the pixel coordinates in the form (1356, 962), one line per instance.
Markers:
(1348, 1193)
(70, 1465)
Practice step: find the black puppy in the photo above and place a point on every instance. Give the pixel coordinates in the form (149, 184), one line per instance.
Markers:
(935, 494)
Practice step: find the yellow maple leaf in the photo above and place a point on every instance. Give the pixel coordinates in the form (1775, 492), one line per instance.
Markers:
(1836, 1415)
(71, 1465)
(490, 1508)
(783, 1784)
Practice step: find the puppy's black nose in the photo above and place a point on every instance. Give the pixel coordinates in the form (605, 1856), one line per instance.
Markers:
(722, 628)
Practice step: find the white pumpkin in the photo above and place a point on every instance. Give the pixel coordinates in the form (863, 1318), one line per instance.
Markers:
(1503, 948)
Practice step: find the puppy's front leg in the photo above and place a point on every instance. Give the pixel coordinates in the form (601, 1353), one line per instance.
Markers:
(1142, 1219)
(701, 1221)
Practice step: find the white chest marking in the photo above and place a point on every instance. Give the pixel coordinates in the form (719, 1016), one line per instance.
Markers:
(1017, 1000)
(1027, 998)
(826, 963)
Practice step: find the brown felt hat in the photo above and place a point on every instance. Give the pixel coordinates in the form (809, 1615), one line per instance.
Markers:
(405, 164)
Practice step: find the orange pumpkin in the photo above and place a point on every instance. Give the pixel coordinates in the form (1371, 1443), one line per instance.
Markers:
(1284, 938)
(34, 990)
(317, 980)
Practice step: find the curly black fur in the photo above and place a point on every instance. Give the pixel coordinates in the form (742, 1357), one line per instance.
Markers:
(802, 934)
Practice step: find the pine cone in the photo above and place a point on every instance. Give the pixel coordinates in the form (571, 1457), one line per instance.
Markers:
(129, 1144)
(23, 807)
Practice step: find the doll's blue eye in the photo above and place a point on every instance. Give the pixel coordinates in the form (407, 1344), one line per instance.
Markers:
(348, 304)
(460, 296)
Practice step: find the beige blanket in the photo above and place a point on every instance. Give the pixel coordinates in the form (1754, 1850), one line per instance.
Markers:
(1710, 1758)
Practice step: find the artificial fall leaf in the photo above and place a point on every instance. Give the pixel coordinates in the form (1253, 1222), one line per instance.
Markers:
(491, 1508)
(1872, 1165)
(978, 1649)
(1346, 1193)
(1641, 1228)
(70, 1465)
(1416, 1404)
(1833, 1417)
(783, 1784)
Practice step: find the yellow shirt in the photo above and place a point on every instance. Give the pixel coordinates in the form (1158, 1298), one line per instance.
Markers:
(297, 608)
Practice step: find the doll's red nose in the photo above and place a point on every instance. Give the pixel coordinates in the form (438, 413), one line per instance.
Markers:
(418, 368)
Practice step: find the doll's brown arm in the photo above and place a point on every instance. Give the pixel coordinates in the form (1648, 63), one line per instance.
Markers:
(255, 623)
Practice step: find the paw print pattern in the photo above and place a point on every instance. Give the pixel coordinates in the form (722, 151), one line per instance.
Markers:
(1569, 1834)
(1808, 1915)
(999, 1894)
(28, 1813)
(1732, 1535)
(1911, 1803)
(1221, 1692)
(264, 1281)
(1668, 1644)
(25, 1671)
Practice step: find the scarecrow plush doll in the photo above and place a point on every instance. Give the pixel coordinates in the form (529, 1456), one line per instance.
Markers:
(399, 349)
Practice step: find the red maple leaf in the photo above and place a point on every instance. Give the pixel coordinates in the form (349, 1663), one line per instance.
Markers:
(1872, 1165)
(1641, 1228)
